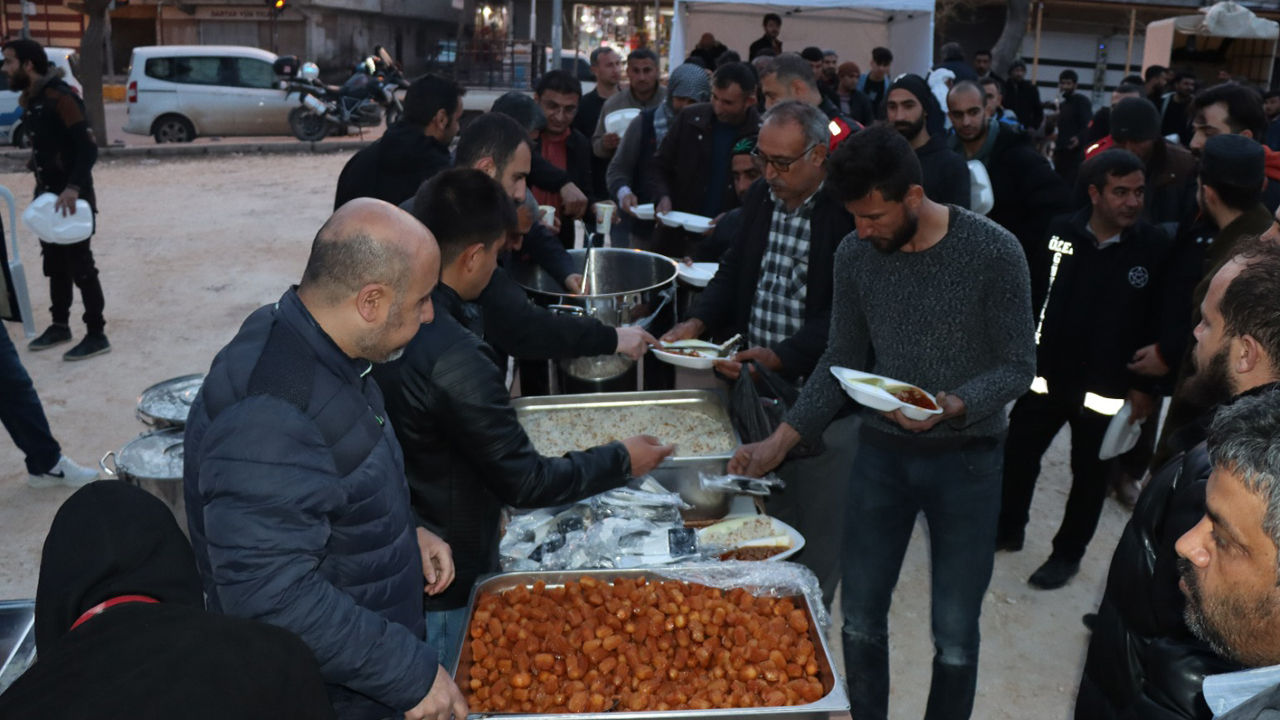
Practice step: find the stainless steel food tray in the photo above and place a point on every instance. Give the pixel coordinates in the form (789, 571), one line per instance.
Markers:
(17, 639)
(678, 474)
(834, 701)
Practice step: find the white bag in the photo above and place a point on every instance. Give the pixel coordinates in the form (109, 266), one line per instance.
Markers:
(981, 197)
(52, 226)
(1121, 436)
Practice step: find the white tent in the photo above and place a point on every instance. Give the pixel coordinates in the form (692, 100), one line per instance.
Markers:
(1251, 53)
(850, 27)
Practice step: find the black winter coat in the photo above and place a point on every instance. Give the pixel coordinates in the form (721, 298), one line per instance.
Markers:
(1143, 663)
(1028, 194)
(725, 305)
(299, 513)
(393, 167)
(946, 174)
(683, 162)
(1104, 304)
(63, 151)
(466, 453)
(519, 328)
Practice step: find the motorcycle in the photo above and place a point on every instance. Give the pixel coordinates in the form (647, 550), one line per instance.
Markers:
(369, 95)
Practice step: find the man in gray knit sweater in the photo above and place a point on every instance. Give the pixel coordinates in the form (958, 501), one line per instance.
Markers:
(941, 298)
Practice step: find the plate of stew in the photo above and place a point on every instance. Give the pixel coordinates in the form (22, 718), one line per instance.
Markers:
(886, 394)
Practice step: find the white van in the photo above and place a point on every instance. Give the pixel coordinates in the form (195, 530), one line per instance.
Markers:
(11, 130)
(179, 92)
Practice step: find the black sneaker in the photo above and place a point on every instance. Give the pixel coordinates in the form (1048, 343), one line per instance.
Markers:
(91, 345)
(1054, 573)
(55, 335)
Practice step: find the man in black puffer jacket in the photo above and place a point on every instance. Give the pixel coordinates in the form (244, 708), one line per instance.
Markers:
(412, 150)
(1143, 662)
(449, 404)
(294, 482)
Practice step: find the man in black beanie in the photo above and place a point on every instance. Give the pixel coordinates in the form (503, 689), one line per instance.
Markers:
(914, 112)
(1171, 168)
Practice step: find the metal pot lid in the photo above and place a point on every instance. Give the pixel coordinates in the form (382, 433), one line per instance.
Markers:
(171, 400)
(155, 455)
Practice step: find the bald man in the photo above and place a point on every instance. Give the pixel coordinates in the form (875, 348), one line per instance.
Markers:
(295, 492)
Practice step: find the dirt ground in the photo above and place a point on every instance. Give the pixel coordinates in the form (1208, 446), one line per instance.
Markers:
(187, 248)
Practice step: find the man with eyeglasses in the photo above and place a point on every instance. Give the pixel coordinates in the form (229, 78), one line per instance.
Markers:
(774, 287)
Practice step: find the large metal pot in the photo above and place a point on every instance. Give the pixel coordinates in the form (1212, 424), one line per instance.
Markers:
(626, 287)
(153, 462)
(166, 404)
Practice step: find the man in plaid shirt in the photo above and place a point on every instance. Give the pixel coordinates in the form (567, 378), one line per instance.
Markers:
(774, 286)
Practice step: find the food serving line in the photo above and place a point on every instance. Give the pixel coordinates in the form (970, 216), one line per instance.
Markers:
(668, 597)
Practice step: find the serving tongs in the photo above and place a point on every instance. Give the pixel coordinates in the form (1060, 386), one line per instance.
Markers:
(720, 351)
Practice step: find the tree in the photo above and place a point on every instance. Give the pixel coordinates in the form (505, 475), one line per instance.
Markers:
(1015, 28)
(92, 60)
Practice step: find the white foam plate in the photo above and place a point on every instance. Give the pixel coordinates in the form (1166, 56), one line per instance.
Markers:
(878, 398)
(617, 121)
(779, 530)
(702, 362)
(644, 212)
(688, 221)
(697, 274)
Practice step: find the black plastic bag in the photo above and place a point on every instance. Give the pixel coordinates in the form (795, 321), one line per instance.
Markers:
(756, 417)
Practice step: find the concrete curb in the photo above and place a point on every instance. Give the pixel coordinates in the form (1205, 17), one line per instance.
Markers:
(204, 149)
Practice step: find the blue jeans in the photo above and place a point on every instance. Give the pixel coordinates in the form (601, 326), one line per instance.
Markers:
(959, 493)
(21, 412)
(445, 632)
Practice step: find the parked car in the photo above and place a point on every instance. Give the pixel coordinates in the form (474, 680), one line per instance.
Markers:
(11, 130)
(177, 93)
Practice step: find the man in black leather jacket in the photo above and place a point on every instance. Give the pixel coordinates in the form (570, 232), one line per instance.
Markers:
(1143, 662)
(466, 454)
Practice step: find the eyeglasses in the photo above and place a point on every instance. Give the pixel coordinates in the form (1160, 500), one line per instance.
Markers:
(779, 164)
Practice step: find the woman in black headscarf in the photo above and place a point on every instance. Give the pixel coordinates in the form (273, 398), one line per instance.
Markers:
(121, 630)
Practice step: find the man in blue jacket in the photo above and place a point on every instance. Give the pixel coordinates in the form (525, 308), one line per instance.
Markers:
(294, 481)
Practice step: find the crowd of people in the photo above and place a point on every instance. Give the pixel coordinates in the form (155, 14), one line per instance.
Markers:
(351, 451)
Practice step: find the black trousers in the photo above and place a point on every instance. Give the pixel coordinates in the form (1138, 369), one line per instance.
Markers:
(69, 266)
(1034, 422)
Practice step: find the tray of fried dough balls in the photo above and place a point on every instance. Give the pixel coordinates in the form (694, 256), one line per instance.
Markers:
(643, 643)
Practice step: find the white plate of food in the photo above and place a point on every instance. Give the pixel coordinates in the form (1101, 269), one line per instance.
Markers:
(644, 212)
(688, 221)
(698, 274)
(886, 394)
(692, 354)
(753, 537)
(617, 121)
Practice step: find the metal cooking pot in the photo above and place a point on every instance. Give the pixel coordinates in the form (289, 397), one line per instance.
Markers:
(166, 404)
(627, 287)
(153, 462)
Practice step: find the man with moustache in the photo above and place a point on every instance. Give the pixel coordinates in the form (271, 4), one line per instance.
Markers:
(939, 297)
(1104, 302)
(774, 287)
(643, 91)
(1141, 655)
(1228, 560)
